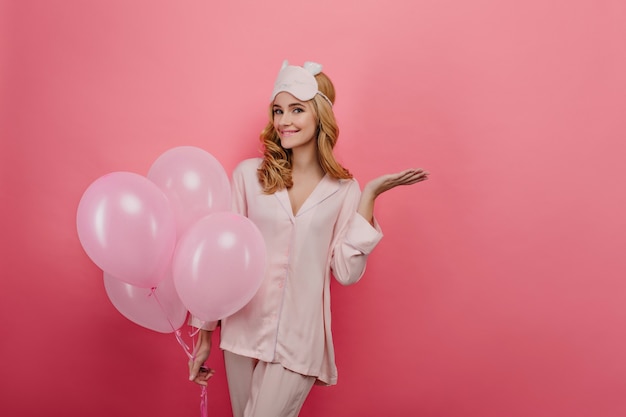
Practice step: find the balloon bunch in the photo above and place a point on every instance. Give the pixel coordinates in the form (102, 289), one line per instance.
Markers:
(167, 243)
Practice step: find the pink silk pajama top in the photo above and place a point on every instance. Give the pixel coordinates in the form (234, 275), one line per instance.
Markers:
(288, 320)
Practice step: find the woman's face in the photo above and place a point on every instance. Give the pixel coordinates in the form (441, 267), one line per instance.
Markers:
(294, 121)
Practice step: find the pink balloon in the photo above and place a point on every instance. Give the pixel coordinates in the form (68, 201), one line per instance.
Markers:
(161, 311)
(218, 265)
(194, 182)
(126, 226)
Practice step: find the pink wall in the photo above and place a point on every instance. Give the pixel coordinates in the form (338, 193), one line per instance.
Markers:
(499, 288)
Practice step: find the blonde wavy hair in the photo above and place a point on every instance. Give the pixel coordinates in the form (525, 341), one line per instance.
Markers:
(275, 170)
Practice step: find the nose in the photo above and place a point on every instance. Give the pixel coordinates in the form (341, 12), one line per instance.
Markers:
(285, 119)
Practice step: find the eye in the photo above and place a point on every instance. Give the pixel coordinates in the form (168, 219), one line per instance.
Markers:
(298, 110)
(278, 111)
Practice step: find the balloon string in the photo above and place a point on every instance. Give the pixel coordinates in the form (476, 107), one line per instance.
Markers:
(176, 331)
(195, 332)
(203, 403)
(191, 355)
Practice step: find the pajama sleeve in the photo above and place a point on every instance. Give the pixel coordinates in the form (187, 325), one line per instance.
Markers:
(200, 324)
(355, 238)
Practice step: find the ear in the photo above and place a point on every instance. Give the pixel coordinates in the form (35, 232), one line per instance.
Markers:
(312, 67)
(285, 65)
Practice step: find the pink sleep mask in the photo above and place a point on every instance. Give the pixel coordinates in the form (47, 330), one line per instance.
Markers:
(298, 81)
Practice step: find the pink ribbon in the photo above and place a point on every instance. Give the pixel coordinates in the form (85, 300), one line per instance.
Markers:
(204, 411)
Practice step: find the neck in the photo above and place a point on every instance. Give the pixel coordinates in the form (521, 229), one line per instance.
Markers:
(305, 161)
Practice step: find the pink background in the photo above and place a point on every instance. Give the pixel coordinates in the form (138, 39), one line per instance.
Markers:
(499, 288)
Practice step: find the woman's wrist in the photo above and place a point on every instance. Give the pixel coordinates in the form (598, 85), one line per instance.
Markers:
(369, 192)
(205, 335)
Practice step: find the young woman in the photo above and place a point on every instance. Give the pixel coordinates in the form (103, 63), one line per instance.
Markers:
(315, 221)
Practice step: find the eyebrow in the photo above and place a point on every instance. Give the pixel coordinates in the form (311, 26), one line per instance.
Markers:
(290, 105)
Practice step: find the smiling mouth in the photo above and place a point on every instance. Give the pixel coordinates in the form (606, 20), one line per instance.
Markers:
(287, 133)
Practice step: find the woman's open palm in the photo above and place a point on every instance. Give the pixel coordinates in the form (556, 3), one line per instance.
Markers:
(386, 182)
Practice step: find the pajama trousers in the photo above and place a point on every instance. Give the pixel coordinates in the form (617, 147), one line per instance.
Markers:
(261, 389)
